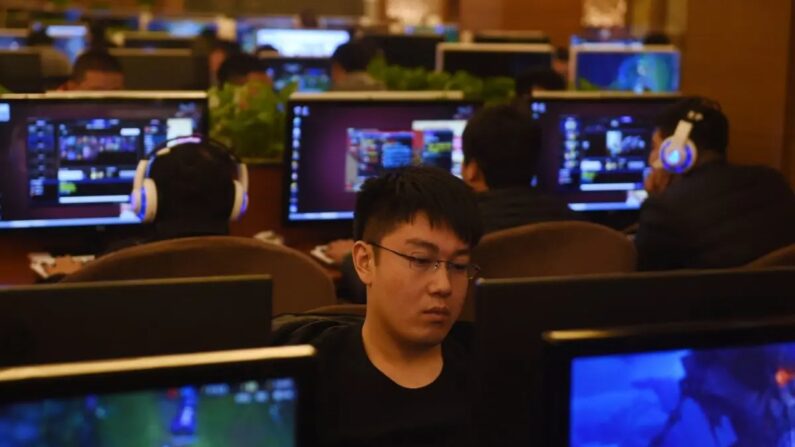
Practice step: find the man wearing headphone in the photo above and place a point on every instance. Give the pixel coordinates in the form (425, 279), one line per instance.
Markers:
(703, 212)
(189, 186)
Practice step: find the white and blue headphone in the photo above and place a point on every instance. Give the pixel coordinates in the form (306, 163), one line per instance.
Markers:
(678, 153)
(144, 194)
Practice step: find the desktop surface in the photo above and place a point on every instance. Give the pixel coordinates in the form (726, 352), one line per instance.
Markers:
(69, 160)
(336, 145)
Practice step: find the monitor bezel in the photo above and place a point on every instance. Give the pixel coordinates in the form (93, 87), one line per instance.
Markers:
(351, 99)
(515, 48)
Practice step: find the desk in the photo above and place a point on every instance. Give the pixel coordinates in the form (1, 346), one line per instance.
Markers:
(264, 213)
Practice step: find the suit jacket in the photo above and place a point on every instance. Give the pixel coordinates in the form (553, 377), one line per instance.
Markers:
(716, 216)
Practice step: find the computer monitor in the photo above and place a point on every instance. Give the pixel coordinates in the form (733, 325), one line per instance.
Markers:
(21, 71)
(245, 398)
(596, 147)
(336, 141)
(631, 68)
(103, 320)
(155, 39)
(13, 38)
(303, 42)
(502, 36)
(68, 159)
(248, 26)
(511, 315)
(162, 69)
(725, 383)
(451, 32)
(311, 74)
(492, 59)
(70, 39)
(182, 26)
(406, 50)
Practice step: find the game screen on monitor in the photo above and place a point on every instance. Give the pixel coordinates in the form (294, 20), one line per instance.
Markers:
(69, 39)
(11, 39)
(487, 63)
(633, 71)
(72, 162)
(309, 74)
(303, 42)
(336, 146)
(182, 27)
(739, 396)
(595, 151)
(261, 414)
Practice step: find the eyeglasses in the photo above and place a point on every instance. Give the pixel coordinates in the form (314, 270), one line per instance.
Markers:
(421, 264)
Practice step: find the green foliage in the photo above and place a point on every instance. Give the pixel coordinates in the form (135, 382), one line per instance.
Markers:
(4, 90)
(250, 119)
(489, 90)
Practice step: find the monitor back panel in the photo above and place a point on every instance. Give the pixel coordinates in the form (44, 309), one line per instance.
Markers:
(65, 323)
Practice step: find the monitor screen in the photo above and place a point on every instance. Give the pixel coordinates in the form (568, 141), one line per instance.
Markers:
(406, 50)
(303, 42)
(336, 145)
(70, 39)
(70, 161)
(153, 40)
(596, 148)
(491, 60)
(250, 397)
(310, 74)
(182, 27)
(12, 39)
(251, 413)
(679, 392)
(626, 68)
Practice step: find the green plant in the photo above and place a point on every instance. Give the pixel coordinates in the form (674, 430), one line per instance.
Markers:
(489, 90)
(250, 119)
(4, 90)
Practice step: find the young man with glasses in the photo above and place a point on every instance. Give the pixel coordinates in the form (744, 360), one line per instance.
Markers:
(397, 379)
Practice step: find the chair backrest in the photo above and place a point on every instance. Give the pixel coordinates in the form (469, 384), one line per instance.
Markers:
(782, 257)
(299, 283)
(563, 248)
(554, 249)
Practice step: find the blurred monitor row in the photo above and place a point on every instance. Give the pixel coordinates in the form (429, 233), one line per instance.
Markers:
(68, 159)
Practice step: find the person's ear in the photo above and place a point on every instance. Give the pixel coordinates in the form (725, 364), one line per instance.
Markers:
(473, 176)
(363, 261)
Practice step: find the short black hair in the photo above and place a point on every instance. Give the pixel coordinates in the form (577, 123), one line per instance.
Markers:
(95, 60)
(39, 37)
(397, 196)
(238, 65)
(505, 142)
(353, 56)
(711, 133)
(194, 183)
(545, 78)
(656, 38)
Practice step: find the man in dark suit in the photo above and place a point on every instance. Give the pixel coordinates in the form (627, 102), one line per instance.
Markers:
(715, 214)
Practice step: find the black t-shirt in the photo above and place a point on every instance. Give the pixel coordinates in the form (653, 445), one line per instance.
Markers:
(360, 406)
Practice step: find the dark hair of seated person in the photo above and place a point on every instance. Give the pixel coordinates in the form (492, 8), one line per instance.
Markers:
(195, 190)
(39, 37)
(711, 133)
(236, 67)
(95, 60)
(504, 141)
(396, 197)
(539, 78)
(353, 56)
